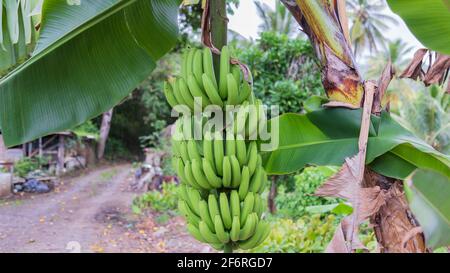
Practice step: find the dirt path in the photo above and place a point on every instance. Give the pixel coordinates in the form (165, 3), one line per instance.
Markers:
(88, 213)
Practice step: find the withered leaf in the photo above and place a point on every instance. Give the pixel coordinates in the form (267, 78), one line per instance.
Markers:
(414, 69)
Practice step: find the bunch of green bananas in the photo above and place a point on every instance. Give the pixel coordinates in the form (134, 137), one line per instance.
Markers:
(222, 175)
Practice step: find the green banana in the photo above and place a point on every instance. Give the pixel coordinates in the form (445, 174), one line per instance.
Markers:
(225, 210)
(241, 120)
(184, 64)
(223, 236)
(263, 182)
(252, 157)
(230, 144)
(227, 174)
(249, 227)
(245, 91)
(193, 150)
(195, 233)
(197, 68)
(253, 122)
(204, 215)
(213, 179)
(208, 66)
(183, 151)
(196, 91)
(236, 71)
(208, 150)
(180, 171)
(182, 192)
(211, 90)
(218, 152)
(247, 208)
(190, 215)
(233, 90)
(184, 91)
(190, 61)
(235, 229)
(207, 234)
(224, 70)
(194, 198)
(168, 92)
(241, 152)
(245, 182)
(213, 206)
(190, 176)
(256, 180)
(235, 204)
(235, 171)
(261, 233)
(177, 93)
(199, 176)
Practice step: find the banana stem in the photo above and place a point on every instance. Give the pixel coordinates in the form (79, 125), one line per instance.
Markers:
(219, 28)
(228, 248)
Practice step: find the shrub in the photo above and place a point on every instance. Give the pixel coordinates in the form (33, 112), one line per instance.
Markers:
(28, 164)
(285, 70)
(294, 203)
(160, 201)
(308, 234)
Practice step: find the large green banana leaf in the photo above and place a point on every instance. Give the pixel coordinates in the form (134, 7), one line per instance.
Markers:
(328, 136)
(87, 59)
(428, 20)
(428, 195)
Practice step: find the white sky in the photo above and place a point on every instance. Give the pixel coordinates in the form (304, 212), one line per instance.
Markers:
(246, 21)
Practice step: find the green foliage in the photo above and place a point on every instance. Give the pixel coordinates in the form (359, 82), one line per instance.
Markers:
(87, 129)
(308, 234)
(427, 20)
(427, 193)
(426, 113)
(39, 97)
(294, 204)
(116, 150)
(304, 235)
(28, 164)
(317, 139)
(159, 201)
(285, 70)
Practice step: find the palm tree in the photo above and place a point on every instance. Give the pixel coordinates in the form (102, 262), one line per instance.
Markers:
(369, 24)
(278, 20)
(395, 52)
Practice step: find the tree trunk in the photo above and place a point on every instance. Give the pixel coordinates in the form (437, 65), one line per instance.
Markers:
(104, 133)
(273, 195)
(396, 229)
(324, 22)
(60, 163)
(2, 149)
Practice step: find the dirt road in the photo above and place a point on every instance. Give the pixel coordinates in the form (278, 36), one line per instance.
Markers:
(88, 213)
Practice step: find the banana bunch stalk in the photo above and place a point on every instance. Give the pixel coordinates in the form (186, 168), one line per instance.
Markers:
(221, 171)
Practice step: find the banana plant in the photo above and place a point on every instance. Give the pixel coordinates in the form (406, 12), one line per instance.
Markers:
(89, 56)
(330, 136)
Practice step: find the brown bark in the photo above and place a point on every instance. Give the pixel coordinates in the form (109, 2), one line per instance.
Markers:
(273, 195)
(395, 227)
(104, 133)
(2, 149)
(322, 21)
(60, 163)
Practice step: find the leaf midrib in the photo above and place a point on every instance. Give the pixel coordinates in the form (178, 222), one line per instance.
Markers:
(69, 36)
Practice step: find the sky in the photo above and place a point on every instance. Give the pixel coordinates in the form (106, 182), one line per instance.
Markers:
(246, 21)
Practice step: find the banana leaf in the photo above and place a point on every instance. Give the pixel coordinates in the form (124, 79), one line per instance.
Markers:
(428, 20)
(89, 56)
(328, 136)
(428, 194)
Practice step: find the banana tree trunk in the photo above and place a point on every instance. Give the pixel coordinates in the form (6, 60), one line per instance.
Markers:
(104, 133)
(2, 149)
(325, 23)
